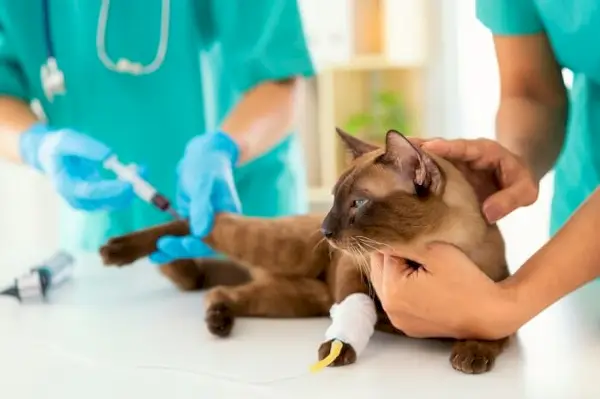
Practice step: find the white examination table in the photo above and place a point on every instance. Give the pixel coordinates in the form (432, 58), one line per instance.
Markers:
(127, 333)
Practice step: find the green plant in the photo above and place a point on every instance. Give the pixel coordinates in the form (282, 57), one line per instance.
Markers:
(388, 112)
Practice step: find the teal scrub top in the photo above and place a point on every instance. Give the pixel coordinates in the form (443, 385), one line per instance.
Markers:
(573, 28)
(217, 50)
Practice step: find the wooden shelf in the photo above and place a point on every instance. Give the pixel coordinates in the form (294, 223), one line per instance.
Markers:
(380, 55)
(369, 63)
(342, 93)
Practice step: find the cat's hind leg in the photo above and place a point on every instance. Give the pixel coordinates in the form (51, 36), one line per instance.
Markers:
(474, 356)
(204, 273)
(266, 296)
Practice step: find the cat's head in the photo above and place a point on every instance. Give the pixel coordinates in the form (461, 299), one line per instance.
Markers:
(386, 196)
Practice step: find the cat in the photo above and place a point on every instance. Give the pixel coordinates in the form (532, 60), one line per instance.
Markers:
(299, 266)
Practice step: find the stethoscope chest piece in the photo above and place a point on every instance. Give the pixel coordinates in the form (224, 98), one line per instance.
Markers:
(52, 78)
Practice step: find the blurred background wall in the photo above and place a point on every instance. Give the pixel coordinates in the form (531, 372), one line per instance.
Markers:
(426, 67)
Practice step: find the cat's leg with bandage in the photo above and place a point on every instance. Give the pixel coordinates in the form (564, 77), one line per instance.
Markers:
(353, 316)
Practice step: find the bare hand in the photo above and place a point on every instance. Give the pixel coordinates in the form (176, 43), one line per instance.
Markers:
(501, 179)
(449, 297)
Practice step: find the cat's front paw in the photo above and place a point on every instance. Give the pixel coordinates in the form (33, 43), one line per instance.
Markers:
(347, 355)
(219, 319)
(473, 357)
(119, 251)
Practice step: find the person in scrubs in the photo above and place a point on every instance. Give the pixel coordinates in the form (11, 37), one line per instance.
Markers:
(198, 94)
(546, 126)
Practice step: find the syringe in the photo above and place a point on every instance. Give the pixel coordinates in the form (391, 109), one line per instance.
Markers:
(142, 188)
(35, 284)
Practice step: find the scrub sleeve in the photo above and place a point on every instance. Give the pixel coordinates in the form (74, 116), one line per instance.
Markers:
(573, 28)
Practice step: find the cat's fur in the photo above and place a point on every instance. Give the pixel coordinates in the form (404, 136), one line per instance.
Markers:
(299, 266)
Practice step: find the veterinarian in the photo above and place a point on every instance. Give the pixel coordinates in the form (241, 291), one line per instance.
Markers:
(537, 120)
(200, 93)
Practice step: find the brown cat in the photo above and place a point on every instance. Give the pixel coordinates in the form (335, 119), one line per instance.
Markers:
(300, 266)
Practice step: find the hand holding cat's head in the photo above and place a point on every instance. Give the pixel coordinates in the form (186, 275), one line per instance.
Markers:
(386, 196)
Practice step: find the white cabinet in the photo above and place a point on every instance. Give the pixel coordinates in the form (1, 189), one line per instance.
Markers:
(405, 31)
(328, 29)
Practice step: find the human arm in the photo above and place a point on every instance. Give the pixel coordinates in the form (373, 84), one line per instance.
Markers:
(264, 54)
(262, 118)
(532, 114)
(69, 159)
(15, 118)
(451, 297)
(15, 113)
(568, 261)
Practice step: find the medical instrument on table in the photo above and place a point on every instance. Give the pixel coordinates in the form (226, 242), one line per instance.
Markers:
(52, 77)
(142, 188)
(35, 284)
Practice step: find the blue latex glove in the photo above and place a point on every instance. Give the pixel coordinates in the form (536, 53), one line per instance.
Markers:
(205, 187)
(73, 161)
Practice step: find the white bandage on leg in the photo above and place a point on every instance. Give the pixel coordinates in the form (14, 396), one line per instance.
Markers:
(353, 321)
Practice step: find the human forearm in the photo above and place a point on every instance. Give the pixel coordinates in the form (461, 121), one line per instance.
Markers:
(15, 117)
(262, 118)
(568, 261)
(532, 130)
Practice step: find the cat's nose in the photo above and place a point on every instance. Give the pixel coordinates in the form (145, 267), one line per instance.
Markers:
(326, 232)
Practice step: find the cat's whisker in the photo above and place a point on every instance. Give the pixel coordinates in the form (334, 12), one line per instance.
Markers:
(359, 256)
(367, 245)
(365, 265)
(374, 242)
(317, 244)
(317, 231)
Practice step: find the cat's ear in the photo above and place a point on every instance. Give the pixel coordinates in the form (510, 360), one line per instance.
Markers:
(412, 162)
(354, 145)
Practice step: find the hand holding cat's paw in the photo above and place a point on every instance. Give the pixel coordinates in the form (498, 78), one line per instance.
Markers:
(172, 248)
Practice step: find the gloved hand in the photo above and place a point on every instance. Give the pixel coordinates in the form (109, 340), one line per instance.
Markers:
(205, 187)
(72, 161)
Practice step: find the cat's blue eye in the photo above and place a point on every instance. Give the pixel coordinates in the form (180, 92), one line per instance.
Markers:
(359, 202)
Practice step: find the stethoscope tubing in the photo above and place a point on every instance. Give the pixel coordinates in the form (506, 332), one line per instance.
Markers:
(52, 77)
(47, 29)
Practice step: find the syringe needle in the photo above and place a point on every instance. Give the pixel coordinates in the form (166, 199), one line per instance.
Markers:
(174, 214)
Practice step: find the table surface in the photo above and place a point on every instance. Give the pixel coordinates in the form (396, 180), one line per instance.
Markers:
(123, 333)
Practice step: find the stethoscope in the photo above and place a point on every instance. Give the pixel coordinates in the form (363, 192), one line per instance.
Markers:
(53, 78)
